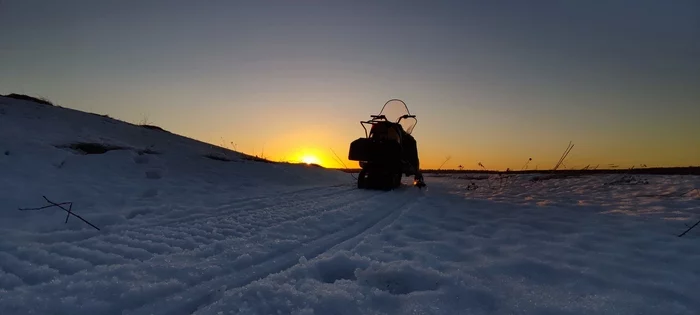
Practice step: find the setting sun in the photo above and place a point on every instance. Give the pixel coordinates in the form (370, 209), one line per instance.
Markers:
(310, 159)
(309, 155)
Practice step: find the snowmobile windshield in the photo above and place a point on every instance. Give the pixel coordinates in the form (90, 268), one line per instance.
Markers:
(394, 110)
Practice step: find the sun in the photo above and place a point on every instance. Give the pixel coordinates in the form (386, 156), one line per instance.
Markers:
(310, 159)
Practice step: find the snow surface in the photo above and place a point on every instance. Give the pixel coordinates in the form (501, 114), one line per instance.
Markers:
(184, 234)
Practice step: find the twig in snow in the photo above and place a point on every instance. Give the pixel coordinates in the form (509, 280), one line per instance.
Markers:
(488, 179)
(447, 158)
(690, 228)
(44, 207)
(70, 211)
(60, 205)
(564, 155)
(341, 162)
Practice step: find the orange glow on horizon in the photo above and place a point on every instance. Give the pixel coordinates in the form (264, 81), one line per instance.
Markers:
(309, 155)
(310, 159)
(316, 145)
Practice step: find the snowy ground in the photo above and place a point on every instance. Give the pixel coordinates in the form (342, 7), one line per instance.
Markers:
(184, 234)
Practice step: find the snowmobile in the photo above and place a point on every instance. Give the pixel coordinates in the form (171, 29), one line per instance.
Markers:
(388, 150)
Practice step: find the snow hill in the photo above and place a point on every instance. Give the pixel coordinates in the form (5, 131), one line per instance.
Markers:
(187, 228)
(41, 149)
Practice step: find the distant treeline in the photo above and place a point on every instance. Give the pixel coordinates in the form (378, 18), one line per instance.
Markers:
(690, 170)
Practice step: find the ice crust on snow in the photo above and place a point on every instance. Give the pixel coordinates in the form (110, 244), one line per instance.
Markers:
(184, 234)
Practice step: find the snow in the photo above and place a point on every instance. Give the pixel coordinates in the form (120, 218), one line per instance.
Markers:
(184, 234)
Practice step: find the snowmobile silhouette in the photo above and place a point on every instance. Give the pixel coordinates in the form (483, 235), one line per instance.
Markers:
(388, 150)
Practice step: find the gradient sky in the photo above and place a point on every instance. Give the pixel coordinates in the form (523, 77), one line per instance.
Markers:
(495, 82)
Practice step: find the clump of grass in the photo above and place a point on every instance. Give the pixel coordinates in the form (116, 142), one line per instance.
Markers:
(40, 100)
(146, 123)
(221, 153)
(256, 159)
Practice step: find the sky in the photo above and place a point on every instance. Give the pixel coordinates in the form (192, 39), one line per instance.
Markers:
(496, 82)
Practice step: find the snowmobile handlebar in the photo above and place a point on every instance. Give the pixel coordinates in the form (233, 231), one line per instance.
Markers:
(384, 117)
(375, 118)
(405, 117)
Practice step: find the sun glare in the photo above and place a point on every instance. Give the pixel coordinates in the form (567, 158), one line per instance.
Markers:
(310, 159)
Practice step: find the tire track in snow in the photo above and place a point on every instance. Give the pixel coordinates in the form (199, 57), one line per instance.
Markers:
(253, 217)
(183, 215)
(115, 255)
(134, 243)
(203, 233)
(243, 204)
(201, 295)
(130, 247)
(347, 244)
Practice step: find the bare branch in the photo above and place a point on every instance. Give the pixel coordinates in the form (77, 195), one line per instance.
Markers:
(44, 207)
(70, 212)
(60, 205)
(690, 228)
(447, 158)
(563, 156)
(341, 162)
(70, 208)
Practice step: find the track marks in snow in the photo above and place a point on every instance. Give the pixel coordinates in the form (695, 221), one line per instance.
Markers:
(241, 216)
(63, 264)
(188, 215)
(341, 283)
(125, 251)
(93, 256)
(133, 241)
(29, 272)
(223, 250)
(143, 243)
(8, 281)
(347, 233)
(406, 263)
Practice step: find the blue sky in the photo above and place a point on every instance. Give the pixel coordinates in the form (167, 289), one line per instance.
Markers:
(491, 81)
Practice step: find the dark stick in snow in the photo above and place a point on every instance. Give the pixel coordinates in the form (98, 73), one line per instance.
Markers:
(60, 205)
(70, 208)
(341, 162)
(44, 207)
(690, 228)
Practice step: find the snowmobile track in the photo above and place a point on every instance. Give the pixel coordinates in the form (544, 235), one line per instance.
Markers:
(132, 245)
(200, 296)
(203, 254)
(246, 205)
(188, 217)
